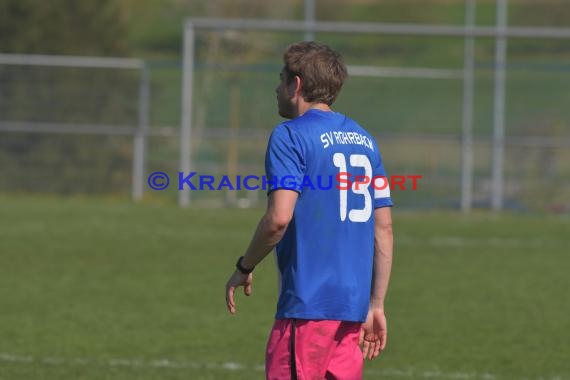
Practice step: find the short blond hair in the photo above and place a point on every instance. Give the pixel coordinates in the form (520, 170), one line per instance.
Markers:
(321, 69)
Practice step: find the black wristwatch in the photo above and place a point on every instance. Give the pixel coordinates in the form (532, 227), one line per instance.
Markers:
(241, 267)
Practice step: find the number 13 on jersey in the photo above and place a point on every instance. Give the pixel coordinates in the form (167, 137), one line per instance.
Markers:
(360, 188)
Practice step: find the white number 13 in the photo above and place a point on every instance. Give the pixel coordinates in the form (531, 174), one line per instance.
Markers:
(361, 188)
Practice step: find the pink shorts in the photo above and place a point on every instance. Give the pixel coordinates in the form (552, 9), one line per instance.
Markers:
(300, 349)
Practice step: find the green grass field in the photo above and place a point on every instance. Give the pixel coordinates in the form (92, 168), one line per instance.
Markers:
(101, 289)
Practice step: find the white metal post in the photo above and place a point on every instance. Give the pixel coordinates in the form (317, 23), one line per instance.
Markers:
(310, 11)
(140, 136)
(467, 117)
(499, 108)
(186, 122)
(376, 28)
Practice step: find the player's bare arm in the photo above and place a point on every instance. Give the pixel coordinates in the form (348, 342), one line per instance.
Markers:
(270, 230)
(374, 332)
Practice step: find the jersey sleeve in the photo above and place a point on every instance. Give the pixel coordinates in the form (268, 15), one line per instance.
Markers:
(381, 185)
(284, 162)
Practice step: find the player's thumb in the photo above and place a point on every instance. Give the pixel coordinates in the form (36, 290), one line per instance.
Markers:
(247, 289)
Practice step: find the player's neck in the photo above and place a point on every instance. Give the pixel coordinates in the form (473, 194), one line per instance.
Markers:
(304, 107)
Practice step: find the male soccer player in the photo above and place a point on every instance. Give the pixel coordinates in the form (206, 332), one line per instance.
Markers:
(333, 242)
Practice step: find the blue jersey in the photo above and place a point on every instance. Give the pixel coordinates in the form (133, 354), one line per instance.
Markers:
(325, 257)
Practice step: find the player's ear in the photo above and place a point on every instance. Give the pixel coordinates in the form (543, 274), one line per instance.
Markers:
(298, 85)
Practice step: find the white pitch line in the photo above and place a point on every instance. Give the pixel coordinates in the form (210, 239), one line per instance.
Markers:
(434, 374)
(233, 366)
(461, 241)
(133, 363)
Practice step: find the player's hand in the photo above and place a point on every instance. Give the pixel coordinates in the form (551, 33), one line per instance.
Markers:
(236, 280)
(373, 334)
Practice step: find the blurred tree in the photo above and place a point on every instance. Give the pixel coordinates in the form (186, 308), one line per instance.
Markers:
(554, 13)
(56, 162)
(86, 27)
